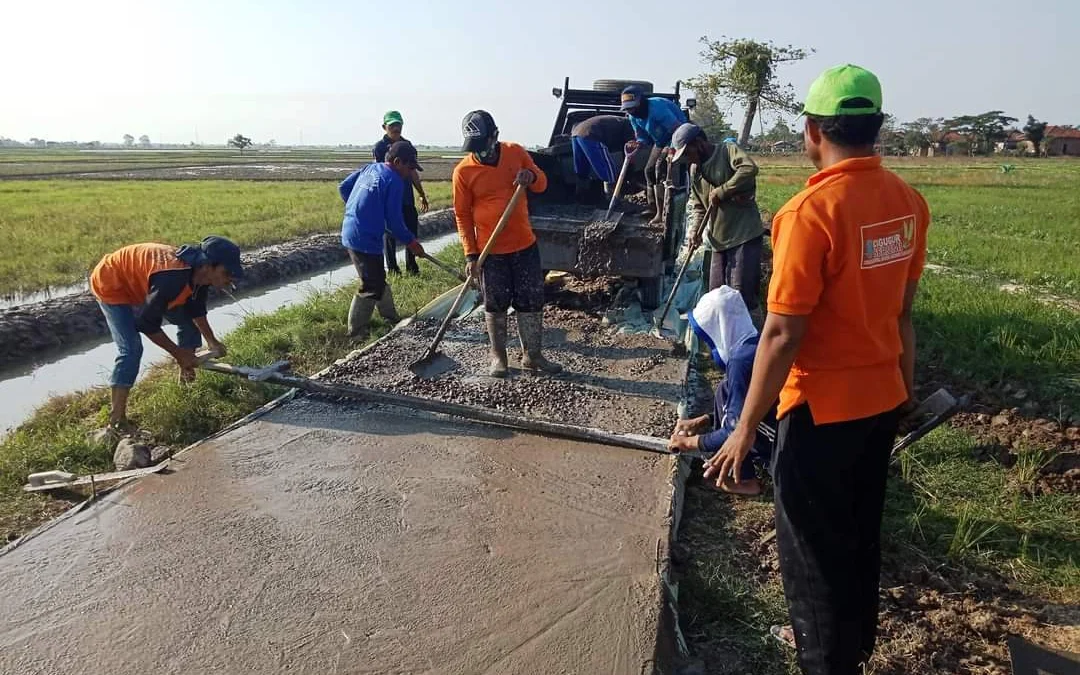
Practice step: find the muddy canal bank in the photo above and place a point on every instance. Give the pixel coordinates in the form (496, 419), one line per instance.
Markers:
(30, 331)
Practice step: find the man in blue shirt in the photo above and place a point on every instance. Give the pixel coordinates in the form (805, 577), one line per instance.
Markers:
(722, 321)
(654, 120)
(373, 197)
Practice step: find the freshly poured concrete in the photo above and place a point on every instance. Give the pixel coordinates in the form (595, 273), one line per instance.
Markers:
(332, 538)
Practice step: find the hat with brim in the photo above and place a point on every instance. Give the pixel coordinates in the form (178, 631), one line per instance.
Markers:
(222, 251)
(631, 98)
(392, 117)
(404, 151)
(477, 128)
(844, 90)
(683, 137)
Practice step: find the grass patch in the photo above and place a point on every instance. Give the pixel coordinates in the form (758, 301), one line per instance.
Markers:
(87, 219)
(310, 334)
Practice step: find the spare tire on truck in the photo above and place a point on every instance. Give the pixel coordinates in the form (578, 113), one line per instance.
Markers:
(619, 85)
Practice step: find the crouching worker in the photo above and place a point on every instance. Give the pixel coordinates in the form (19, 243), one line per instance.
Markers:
(140, 286)
(722, 321)
(484, 181)
(373, 196)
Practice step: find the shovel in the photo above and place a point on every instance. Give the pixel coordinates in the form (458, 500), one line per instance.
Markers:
(658, 321)
(443, 266)
(602, 220)
(434, 363)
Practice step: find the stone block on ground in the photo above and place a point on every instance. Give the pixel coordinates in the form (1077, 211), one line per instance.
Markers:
(130, 454)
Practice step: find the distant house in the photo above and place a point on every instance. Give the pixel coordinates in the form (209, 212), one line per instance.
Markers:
(1062, 141)
(1015, 141)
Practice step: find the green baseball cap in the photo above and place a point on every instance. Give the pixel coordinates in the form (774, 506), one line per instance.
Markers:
(392, 117)
(844, 90)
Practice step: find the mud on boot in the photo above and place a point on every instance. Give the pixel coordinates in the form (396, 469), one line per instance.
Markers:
(360, 312)
(531, 331)
(386, 306)
(496, 330)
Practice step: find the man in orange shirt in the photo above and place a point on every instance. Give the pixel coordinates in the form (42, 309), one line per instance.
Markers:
(484, 182)
(838, 348)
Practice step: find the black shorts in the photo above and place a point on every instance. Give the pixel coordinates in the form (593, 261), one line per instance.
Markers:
(514, 280)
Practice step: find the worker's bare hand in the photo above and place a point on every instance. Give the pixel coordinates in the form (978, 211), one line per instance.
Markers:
(416, 248)
(525, 177)
(216, 349)
(631, 147)
(472, 271)
(692, 426)
(727, 462)
(683, 443)
(695, 238)
(716, 197)
(185, 358)
(424, 206)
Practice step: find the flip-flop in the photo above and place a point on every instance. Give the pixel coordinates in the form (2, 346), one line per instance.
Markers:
(778, 634)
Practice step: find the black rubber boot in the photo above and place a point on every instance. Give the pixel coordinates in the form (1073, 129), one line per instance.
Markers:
(496, 329)
(531, 331)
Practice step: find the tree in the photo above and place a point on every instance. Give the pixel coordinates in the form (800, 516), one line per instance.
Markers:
(129, 140)
(744, 71)
(983, 130)
(1035, 131)
(240, 141)
(708, 116)
(144, 141)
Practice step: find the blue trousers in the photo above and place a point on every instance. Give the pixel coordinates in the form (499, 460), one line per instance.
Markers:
(129, 347)
(593, 156)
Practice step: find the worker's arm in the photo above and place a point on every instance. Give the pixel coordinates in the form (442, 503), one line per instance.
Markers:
(737, 382)
(346, 186)
(164, 287)
(907, 341)
(419, 186)
(744, 180)
(800, 257)
(779, 345)
(195, 308)
(393, 196)
(463, 216)
(540, 182)
(697, 207)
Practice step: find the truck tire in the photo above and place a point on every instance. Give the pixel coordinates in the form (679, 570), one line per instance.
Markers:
(619, 85)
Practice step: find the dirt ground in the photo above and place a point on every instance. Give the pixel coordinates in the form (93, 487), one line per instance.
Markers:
(620, 383)
(935, 618)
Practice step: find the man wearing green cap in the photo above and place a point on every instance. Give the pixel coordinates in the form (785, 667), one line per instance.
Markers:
(392, 123)
(838, 349)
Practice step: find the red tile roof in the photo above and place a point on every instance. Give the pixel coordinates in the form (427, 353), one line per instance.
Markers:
(1055, 131)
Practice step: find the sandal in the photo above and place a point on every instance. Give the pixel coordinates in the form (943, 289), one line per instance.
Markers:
(784, 635)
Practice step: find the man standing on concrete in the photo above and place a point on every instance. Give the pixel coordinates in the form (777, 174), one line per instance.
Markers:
(838, 348)
(392, 124)
(725, 178)
(483, 183)
(654, 119)
(594, 141)
(373, 198)
(140, 286)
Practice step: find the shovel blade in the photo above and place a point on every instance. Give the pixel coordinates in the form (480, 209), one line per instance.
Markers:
(432, 365)
(602, 223)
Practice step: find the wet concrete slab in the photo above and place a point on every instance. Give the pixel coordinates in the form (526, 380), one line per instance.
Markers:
(338, 538)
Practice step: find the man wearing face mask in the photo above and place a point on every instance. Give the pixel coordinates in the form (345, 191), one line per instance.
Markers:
(512, 276)
(140, 286)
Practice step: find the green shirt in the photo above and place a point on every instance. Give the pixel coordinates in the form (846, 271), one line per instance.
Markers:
(732, 174)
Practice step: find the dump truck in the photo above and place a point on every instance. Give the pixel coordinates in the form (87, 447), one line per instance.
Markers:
(635, 250)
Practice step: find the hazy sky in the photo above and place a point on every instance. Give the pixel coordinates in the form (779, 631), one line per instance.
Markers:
(323, 72)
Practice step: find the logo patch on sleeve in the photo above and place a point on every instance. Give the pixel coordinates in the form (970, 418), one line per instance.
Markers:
(888, 242)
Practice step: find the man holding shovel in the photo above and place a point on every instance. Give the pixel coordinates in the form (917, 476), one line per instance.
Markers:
(484, 183)
(654, 119)
(142, 285)
(373, 198)
(724, 177)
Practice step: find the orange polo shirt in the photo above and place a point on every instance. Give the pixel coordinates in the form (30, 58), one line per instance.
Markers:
(481, 193)
(844, 250)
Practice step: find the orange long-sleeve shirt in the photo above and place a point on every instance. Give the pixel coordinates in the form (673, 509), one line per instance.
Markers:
(481, 193)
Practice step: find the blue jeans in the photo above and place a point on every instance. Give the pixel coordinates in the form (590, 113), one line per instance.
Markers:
(129, 347)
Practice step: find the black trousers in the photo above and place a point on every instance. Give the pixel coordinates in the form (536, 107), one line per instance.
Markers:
(740, 268)
(514, 280)
(412, 221)
(829, 487)
(369, 267)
